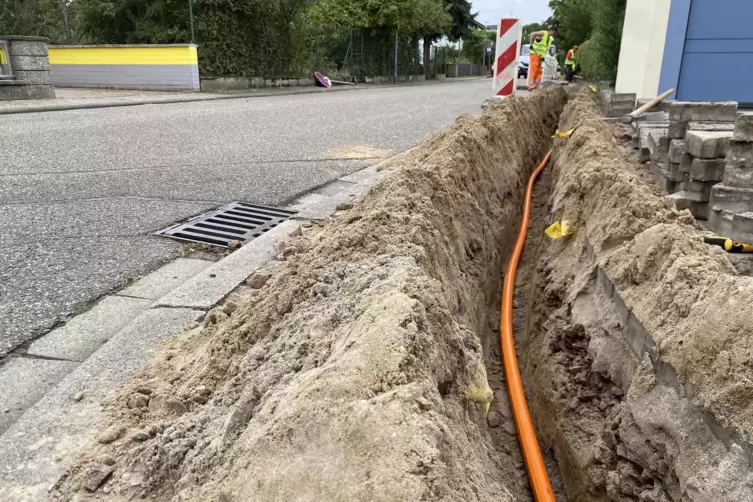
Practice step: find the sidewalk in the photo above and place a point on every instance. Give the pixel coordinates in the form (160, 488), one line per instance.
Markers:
(81, 99)
(58, 386)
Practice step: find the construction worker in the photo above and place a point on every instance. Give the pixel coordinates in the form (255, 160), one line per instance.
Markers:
(570, 62)
(541, 42)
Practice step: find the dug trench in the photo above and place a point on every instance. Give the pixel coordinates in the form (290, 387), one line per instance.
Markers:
(357, 367)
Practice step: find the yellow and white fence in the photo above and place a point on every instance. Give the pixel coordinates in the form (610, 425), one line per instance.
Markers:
(150, 67)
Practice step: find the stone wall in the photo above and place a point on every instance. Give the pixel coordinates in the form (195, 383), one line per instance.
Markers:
(30, 68)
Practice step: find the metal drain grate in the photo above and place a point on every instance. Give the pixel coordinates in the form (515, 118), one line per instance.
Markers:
(235, 221)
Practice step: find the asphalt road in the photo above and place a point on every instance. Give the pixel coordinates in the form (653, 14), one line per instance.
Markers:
(82, 191)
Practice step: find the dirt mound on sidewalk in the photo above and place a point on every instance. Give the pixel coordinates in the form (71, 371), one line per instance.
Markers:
(345, 377)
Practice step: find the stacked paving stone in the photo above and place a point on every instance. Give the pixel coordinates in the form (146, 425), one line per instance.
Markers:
(641, 133)
(731, 202)
(667, 174)
(616, 104)
(699, 137)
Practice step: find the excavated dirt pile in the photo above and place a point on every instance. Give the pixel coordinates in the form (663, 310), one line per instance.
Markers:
(345, 377)
(638, 349)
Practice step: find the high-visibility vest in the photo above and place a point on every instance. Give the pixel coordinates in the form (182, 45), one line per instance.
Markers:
(570, 60)
(541, 47)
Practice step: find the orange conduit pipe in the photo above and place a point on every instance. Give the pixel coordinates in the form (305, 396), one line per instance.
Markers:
(537, 474)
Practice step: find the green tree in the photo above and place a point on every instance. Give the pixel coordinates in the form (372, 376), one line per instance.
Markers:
(594, 25)
(427, 19)
(530, 28)
(475, 46)
(574, 20)
(53, 19)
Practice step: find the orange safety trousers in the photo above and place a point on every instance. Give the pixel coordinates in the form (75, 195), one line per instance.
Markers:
(535, 70)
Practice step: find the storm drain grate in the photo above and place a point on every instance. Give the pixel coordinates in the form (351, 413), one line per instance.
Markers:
(235, 221)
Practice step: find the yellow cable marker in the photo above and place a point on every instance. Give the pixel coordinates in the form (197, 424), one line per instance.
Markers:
(567, 134)
(593, 89)
(559, 229)
(479, 390)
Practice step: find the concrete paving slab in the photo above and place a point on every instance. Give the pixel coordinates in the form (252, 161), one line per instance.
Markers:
(211, 285)
(327, 207)
(306, 200)
(333, 188)
(160, 282)
(84, 334)
(43, 443)
(361, 175)
(24, 382)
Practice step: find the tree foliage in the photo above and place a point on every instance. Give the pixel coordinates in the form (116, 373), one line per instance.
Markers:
(475, 46)
(54, 19)
(254, 38)
(594, 25)
(530, 28)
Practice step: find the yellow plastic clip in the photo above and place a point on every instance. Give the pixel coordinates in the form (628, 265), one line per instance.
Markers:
(559, 229)
(566, 134)
(593, 89)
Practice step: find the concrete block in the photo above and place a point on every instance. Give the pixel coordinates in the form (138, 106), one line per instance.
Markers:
(28, 48)
(703, 169)
(24, 382)
(160, 282)
(12, 92)
(707, 144)
(686, 162)
(211, 285)
(33, 76)
(720, 221)
(699, 210)
(742, 227)
(643, 135)
(740, 153)
(743, 127)
(740, 176)
(687, 111)
(733, 199)
(85, 333)
(661, 172)
(677, 129)
(45, 441)
(711, 126)
(40, 92)
(674, 173)
(676, 150)
(658, 145)
(698, 191)
(33, 63)
(616, 104)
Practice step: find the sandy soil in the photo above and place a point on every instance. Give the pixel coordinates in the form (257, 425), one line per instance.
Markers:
(345, 377)
(640, 372)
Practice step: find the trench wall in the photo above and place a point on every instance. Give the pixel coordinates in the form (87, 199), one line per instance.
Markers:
(639, 356)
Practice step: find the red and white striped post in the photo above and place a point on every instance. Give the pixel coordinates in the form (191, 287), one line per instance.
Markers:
(509, 33)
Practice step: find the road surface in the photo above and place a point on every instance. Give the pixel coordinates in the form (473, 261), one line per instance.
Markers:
(82, 191)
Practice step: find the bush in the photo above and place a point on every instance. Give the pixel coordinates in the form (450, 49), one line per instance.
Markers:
(599, 55)
(588, 59)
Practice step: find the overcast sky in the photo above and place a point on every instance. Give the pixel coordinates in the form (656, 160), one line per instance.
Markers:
(530, 11)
